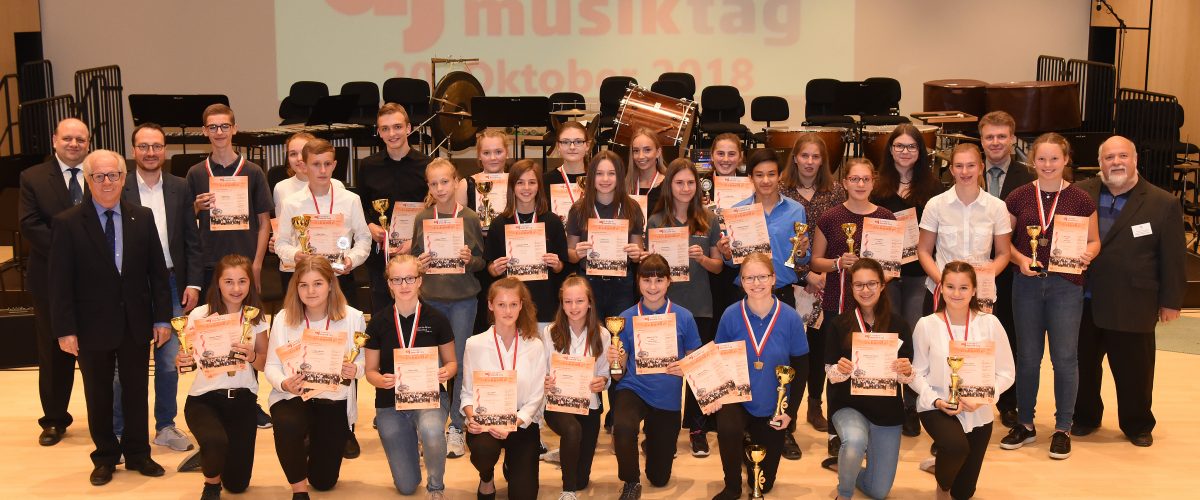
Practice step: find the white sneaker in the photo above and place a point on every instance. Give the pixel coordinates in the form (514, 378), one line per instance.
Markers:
(568, 495)
(551, 456)
(173, 438)
(928, 465)
(455, 443)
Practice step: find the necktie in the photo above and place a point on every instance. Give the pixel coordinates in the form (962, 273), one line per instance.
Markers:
(994, 186)
(110, 233)
(74, 187)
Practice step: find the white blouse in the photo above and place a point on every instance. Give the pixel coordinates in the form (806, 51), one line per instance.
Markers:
(301, 203)
(242, 379)
(931, 376)
(281, 334)
(579, 347)
(481, 355)
(964, 232)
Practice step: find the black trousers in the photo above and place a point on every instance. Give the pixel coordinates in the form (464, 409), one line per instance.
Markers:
(323, 422)
(520, 458)
(662, 430)
(733, 422)
(959, 454)
(1131, 359)
(97, 368)
(1003, 311)
(56, 369)
(577, 446)
(225, 429)
(380, 297)
(694, 419)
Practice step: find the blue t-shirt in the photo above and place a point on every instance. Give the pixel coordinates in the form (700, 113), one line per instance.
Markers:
(787, 340)
(781, 228)
(660, 390)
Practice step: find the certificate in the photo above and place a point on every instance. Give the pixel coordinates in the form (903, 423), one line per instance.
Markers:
(497, 197)
(404, 217)
(607, 256)
(416, 373)
(672, 244)
(325, 233)
(231, 203)
(655, 343)
(214, 335)
(525, 246)
(873, 355)
(495, 399)
(444, 239)
(562, 198)
(883, 240)
(643, 201)
(324, 353)
(1068, 245)
(747, 229)
(912, 233)
(985, 289)
(809, 307)
(977, 384)
(728, 190)
(572, 383)
(733, 361)
(704, 374)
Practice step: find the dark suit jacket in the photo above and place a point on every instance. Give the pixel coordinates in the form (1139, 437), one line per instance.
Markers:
(43, 195)
(1018, 175)
(182, 236)
(1133, 277)
(88, 297)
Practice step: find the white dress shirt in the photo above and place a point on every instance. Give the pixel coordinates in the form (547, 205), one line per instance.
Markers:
(481, 355)
(964, 232)
(301, 203)
(579, 347)
(152, 198)
(281, 334)
(292, 185)
(931, 376)
(242, 379)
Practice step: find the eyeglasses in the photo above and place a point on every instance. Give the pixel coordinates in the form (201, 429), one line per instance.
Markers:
(859, 180)
(901, 148)
(761, 278)
(870, 285)
(157, 148)
(407, 280)
(111, 176)
(224, 127)
(576, 143)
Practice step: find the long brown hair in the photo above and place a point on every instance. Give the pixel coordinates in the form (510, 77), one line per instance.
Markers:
(335, 304)
(627, 205)
(514, 174)
(560, 329)
(527, 319)
(216, 304)
(632, 175)
(924, 185)
(883, 306)
(697, 215)
(961, 267)
(790, 176)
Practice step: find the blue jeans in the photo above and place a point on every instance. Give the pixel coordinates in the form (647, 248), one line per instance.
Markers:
(399, 432)
(166, 378)
(461, 314)
(1049, 306)
(862, 438)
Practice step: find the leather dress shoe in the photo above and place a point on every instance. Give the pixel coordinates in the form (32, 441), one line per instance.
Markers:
(102, 474)
(50, 436)
(1081, 430)
(1143, 440)
(352, 449)
(145, 467)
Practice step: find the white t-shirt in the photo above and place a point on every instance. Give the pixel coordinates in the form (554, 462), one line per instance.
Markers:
(579, 347)
(281, 334)
(242, 379)
(931, 376)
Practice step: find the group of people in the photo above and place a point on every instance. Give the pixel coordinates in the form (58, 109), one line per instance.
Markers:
(114, 259)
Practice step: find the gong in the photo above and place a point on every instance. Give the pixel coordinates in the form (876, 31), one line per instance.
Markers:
(456, 87)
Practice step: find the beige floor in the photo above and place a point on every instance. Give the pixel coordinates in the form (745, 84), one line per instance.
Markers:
(1103, 465)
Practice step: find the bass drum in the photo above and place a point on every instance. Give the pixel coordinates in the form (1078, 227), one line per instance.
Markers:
(874, 140)
(457, 87)
(834, 138)
(670, 118)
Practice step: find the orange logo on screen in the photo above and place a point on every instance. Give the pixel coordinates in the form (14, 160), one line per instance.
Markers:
(426, 23)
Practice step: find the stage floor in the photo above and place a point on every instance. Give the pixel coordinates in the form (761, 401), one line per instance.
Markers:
(1103, 465)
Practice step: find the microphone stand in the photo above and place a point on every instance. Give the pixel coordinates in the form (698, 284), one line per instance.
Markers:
(1122, 28)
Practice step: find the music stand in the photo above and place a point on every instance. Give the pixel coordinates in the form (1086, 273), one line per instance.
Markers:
(173, 110)
(332, 109)
(513, 111)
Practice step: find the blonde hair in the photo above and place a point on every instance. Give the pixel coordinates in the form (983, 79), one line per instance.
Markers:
(335, 304)
(633, 172)
(527, 320)
(433, 166)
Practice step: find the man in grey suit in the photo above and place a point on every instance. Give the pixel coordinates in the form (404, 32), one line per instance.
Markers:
(1134, 283)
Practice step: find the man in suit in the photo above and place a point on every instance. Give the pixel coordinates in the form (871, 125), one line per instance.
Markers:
(46, 190)
(169, 198)
(109, 296)
(1133, 284)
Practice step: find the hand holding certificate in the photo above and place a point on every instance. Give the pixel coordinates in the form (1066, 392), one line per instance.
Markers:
(883, 240)
(525, 245)
(874, 355)
(655, 342)
(444, 238)
(231, 203)
(1070, 241)
(747, 229)
(495, 399)
(672, 244)
(324, 234)
(416, 373)
(977, 376)
(212, 338)
(571, 392)
(705, 374)
(404, 217)
(607, 256)
(322, 362)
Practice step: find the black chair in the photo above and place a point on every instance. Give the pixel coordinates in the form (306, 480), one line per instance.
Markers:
(299, 103)
(278, 174)
(368, 101)
(558, 101)
(182, 162)
(721, 112)
(767, 108)
(880, 102)
(670, 88)
(687, 79)
(612, 90)
(820, 104)
(414, 95)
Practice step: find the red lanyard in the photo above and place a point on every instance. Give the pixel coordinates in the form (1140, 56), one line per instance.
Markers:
(597, 210)
(758, 346)
(567, 182)
(516, 344)
(841, 290)
(412, 336)
(457, 209)
(241, 162)
(1043, 219)
(862, 325)
(306, 325)
(314, 199)
(665, 311)
(966, 327)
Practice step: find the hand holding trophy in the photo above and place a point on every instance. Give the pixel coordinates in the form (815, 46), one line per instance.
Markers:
(784, 374)
(800, 229)
(360, 339)
(1034, 241)
(179, 323)
(615, 324)
(849, 228)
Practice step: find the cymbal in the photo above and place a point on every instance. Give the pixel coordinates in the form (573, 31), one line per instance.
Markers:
(456, 114)
(959, 137)
(443, 101)
(571, 113)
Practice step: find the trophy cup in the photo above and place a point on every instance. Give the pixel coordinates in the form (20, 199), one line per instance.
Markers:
(955, 363)
(756, 453)
(484, 204)
(800, 228)
(1034, 241)
(338, 262)
(784, 374)
(706, 181)
(360, 339)
(300, 224)
(615, 324)
(179, 323)
(248, 315)
(849, 228)
(381, 206)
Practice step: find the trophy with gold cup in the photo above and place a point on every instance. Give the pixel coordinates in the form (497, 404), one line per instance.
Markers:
(756, 453)
(800, 228)
(248, 315)
(615, 324)
(300, 224)
(1036, 239)
(360, 339)
(381, 206)
(955, 363)
(179, 323)
(849, 228)
(784, 374)
(484, 204)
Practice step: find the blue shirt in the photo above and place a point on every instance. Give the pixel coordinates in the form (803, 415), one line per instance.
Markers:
(787, 340)
(781, 228)
(117, 227)
(659, 390)
(1108, 208)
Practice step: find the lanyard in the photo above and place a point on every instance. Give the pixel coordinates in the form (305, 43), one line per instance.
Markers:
(307, 325)
(652, 181)
(966, 327)
(758, 346)
(597, 211)
(567, 182)
(457, 210)
(412, 336)
(862, 325)
(516, 344)
(1043, 219)
(318, 208)
(241, 162)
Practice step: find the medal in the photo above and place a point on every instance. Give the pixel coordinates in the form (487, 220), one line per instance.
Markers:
(1043, 242)
(758, 365)
(758, 346)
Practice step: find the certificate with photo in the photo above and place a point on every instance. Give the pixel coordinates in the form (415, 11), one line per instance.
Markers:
(728, 190)
(977, 383)
(733, 361)
(324, 351)
(655, 343)
(572, 383)
(883, 240)
(327, 233)
(444, 239)
(746, 227)
(873, 354)
(525, 246)
(231, 203)
(985, 289)
(672, 244)
(704, 373)
(1068, 245)
(809, 307)
(562, 197)
(912, 233)
(403, 222)
(416, 372)
(291, 357)
(495, 399)
(607, 256)
(213, 337)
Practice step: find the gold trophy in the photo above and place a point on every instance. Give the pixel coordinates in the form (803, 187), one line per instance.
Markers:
(381, 206)
(849, 228)
(784, 374)
(484, 204)
(1034, 241)
(615, 324)
(179, 323)
(300, 224)
(800, 228)
(756, 453)
(955, 363)
(248, 315)
(360, 339)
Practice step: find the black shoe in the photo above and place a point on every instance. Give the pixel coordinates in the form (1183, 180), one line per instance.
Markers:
(190, 464)
(51, 435)
(300, 496)
(146, 467)
(1060, 445)
(816, 417)
(791, 450)
(912, 424)
(352, 449)
(631, 491)
(102, 474)
(1081, 430)
(729, 494)
(830, 463)
(485, 496)
(835, 446)
(699, 444)
(262, 420)
(1143, 440)
(1017, 437)
(1009, 418)
(211, 491)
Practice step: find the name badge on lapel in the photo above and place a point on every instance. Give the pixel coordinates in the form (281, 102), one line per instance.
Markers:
(1142, 230)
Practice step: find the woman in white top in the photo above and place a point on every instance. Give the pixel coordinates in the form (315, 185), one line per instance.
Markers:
(576, 331)
(311, 302)
(221, 410)
(961, 432)
(512, 344)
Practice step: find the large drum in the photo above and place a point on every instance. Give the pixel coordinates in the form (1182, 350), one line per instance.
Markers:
(968, 96)
(670, 118)
(874, 140)
(834, 137)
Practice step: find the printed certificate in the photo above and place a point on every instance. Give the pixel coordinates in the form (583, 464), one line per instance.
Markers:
(496, 399)
(324, 231)
(912, 233)
(572, 383)
(704, 374)
(1069, 243)
(809, 307)
(324, 353)
(883, 240)
(978, 373)
(444, 239)
(655, 343)
(607, 256)
(214, 335)
(672, 244)
(873, 355)
(728, 190)
(985, 290)
(231, 203)
(403, 221)
(416, 372)
(733, 361)
(747, 230)
(562, 197)
(525, 246)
